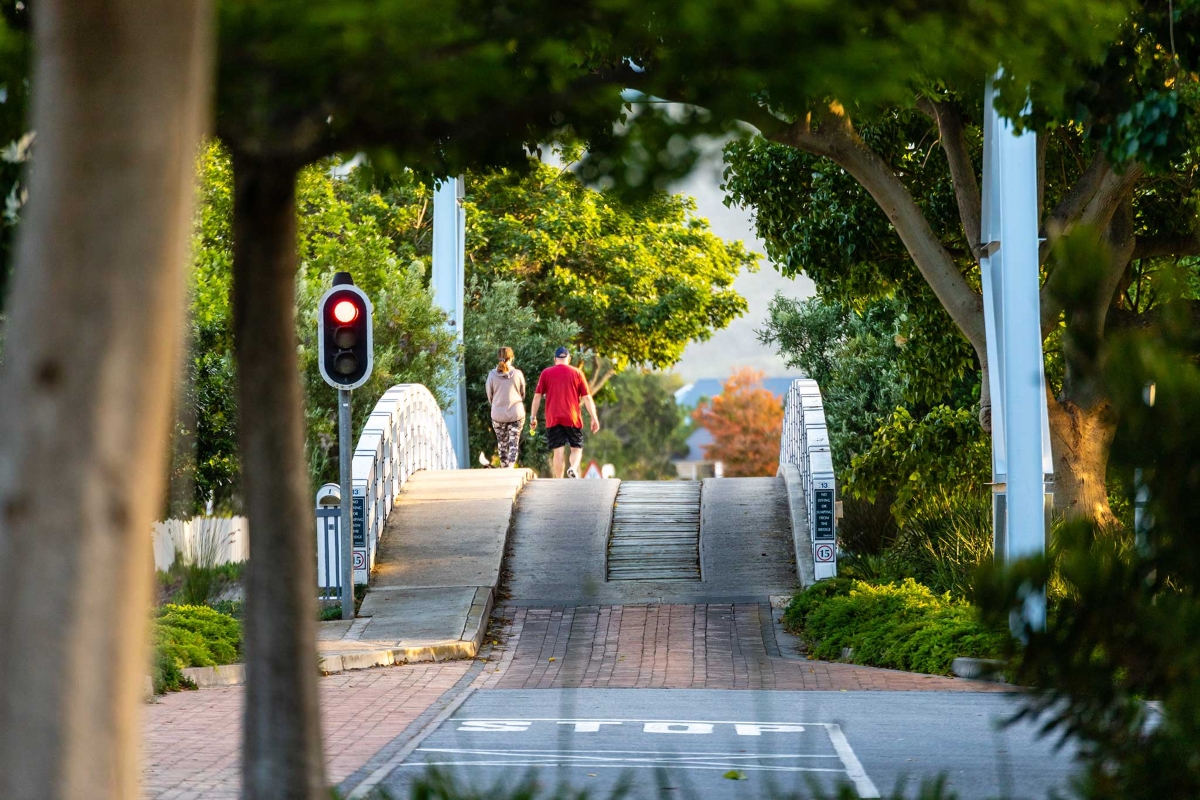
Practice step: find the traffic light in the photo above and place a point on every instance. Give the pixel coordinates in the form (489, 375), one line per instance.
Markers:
(344, 334)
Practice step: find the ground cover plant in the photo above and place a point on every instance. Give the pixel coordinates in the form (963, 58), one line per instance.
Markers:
(899, 625)
(191, 636)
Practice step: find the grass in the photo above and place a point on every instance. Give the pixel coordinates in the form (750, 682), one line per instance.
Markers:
(901, 625)
(331, 610)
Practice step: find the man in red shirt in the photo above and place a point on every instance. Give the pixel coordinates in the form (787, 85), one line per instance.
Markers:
(564, 387)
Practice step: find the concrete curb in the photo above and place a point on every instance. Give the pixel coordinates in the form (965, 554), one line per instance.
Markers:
(979, 669)
(225, 675)
(805, 568)
(466, 646)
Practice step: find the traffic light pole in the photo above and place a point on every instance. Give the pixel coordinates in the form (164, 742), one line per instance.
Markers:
(346, 523)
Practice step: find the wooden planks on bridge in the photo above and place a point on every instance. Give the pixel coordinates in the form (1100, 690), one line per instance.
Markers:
(655, 532)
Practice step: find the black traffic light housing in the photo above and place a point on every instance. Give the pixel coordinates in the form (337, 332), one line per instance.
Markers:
(344, 334)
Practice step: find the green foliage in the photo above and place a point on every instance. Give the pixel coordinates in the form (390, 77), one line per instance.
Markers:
(945, 450)
(867, 526)
(643, 428)
(16, 139)
(898, 625)
(852, 355)
(550, 262)
(817, 219)
(341, 226)
(945, 540)
(640, 280)
(1125, 628)
(888, 444)
(191, 636)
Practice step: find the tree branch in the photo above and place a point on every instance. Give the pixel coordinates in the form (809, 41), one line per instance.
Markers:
(834, 137)
(962, 171)
(1109, 189)
(1072, 205)
(1159, 246)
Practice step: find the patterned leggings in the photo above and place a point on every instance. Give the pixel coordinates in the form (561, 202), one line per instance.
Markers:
(508, 441)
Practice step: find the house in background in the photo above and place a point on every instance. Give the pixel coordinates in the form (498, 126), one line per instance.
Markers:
(694, 466)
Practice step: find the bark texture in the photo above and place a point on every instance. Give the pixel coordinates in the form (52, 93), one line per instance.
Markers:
(120, 102)
(1080, 441)
(282, 756)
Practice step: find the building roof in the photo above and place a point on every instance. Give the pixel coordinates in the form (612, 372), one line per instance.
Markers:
(696, 443)
(691, 394)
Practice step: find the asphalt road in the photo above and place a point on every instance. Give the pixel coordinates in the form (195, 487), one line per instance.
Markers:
(739, 744)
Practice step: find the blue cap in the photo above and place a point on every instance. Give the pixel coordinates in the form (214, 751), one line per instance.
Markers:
(561, 353)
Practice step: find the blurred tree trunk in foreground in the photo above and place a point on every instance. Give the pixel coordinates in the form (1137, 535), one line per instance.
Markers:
(121, 92)
(281, 754)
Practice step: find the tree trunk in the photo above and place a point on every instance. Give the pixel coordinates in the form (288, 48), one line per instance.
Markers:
(282, 756)
(1080, 441)
(120, 104)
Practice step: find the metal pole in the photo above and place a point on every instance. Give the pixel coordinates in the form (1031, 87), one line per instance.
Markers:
(447, 280)
(345, 523)
(1021, 351)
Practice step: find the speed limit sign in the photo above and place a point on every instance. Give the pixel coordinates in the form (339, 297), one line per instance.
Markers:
(824, 552)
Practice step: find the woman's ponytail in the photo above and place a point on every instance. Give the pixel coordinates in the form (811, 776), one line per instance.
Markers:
(506, 357)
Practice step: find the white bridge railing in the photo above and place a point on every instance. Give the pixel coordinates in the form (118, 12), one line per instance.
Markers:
(805, 444)
(405, 433)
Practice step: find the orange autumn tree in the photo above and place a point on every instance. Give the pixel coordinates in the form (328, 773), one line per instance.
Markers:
(745, 422)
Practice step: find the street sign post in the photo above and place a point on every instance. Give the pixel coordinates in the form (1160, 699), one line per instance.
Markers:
(346, 357)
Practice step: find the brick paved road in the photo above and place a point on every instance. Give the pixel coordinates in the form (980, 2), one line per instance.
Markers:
(192, 738)
(676, 647)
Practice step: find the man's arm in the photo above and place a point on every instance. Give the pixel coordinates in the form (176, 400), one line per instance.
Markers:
(590, 404)
(537, 403)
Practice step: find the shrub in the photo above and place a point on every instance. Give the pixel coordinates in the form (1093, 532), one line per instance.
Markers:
(898, 625)
(945, 540)
(192, 636)
(868, 527)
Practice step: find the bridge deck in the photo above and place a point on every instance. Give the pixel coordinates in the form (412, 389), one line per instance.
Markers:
(436, 572)
(556, 552)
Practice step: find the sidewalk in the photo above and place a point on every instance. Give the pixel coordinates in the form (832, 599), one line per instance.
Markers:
(436, 573)
(193, 739)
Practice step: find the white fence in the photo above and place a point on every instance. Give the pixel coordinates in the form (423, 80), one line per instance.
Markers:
(201, 540)
(405, 433)
(805, 444)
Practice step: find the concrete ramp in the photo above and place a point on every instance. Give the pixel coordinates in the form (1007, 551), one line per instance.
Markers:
(436, 574)
(565, 533)
(746, 537)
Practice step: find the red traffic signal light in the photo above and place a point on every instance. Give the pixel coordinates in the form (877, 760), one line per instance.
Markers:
(344, 336)
(345, 311)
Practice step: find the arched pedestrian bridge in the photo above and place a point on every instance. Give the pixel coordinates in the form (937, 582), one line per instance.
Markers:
(446, 546)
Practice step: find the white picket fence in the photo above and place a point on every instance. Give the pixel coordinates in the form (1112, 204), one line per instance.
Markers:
(203, 540)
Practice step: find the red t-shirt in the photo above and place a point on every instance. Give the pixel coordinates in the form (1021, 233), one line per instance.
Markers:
(562, 385)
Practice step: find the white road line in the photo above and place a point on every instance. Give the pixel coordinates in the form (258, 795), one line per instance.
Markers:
(703, 753)
(641, 719)
(551, 763)
(854, 767)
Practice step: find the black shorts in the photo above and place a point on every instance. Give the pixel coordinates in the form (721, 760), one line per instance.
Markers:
(563, 435)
